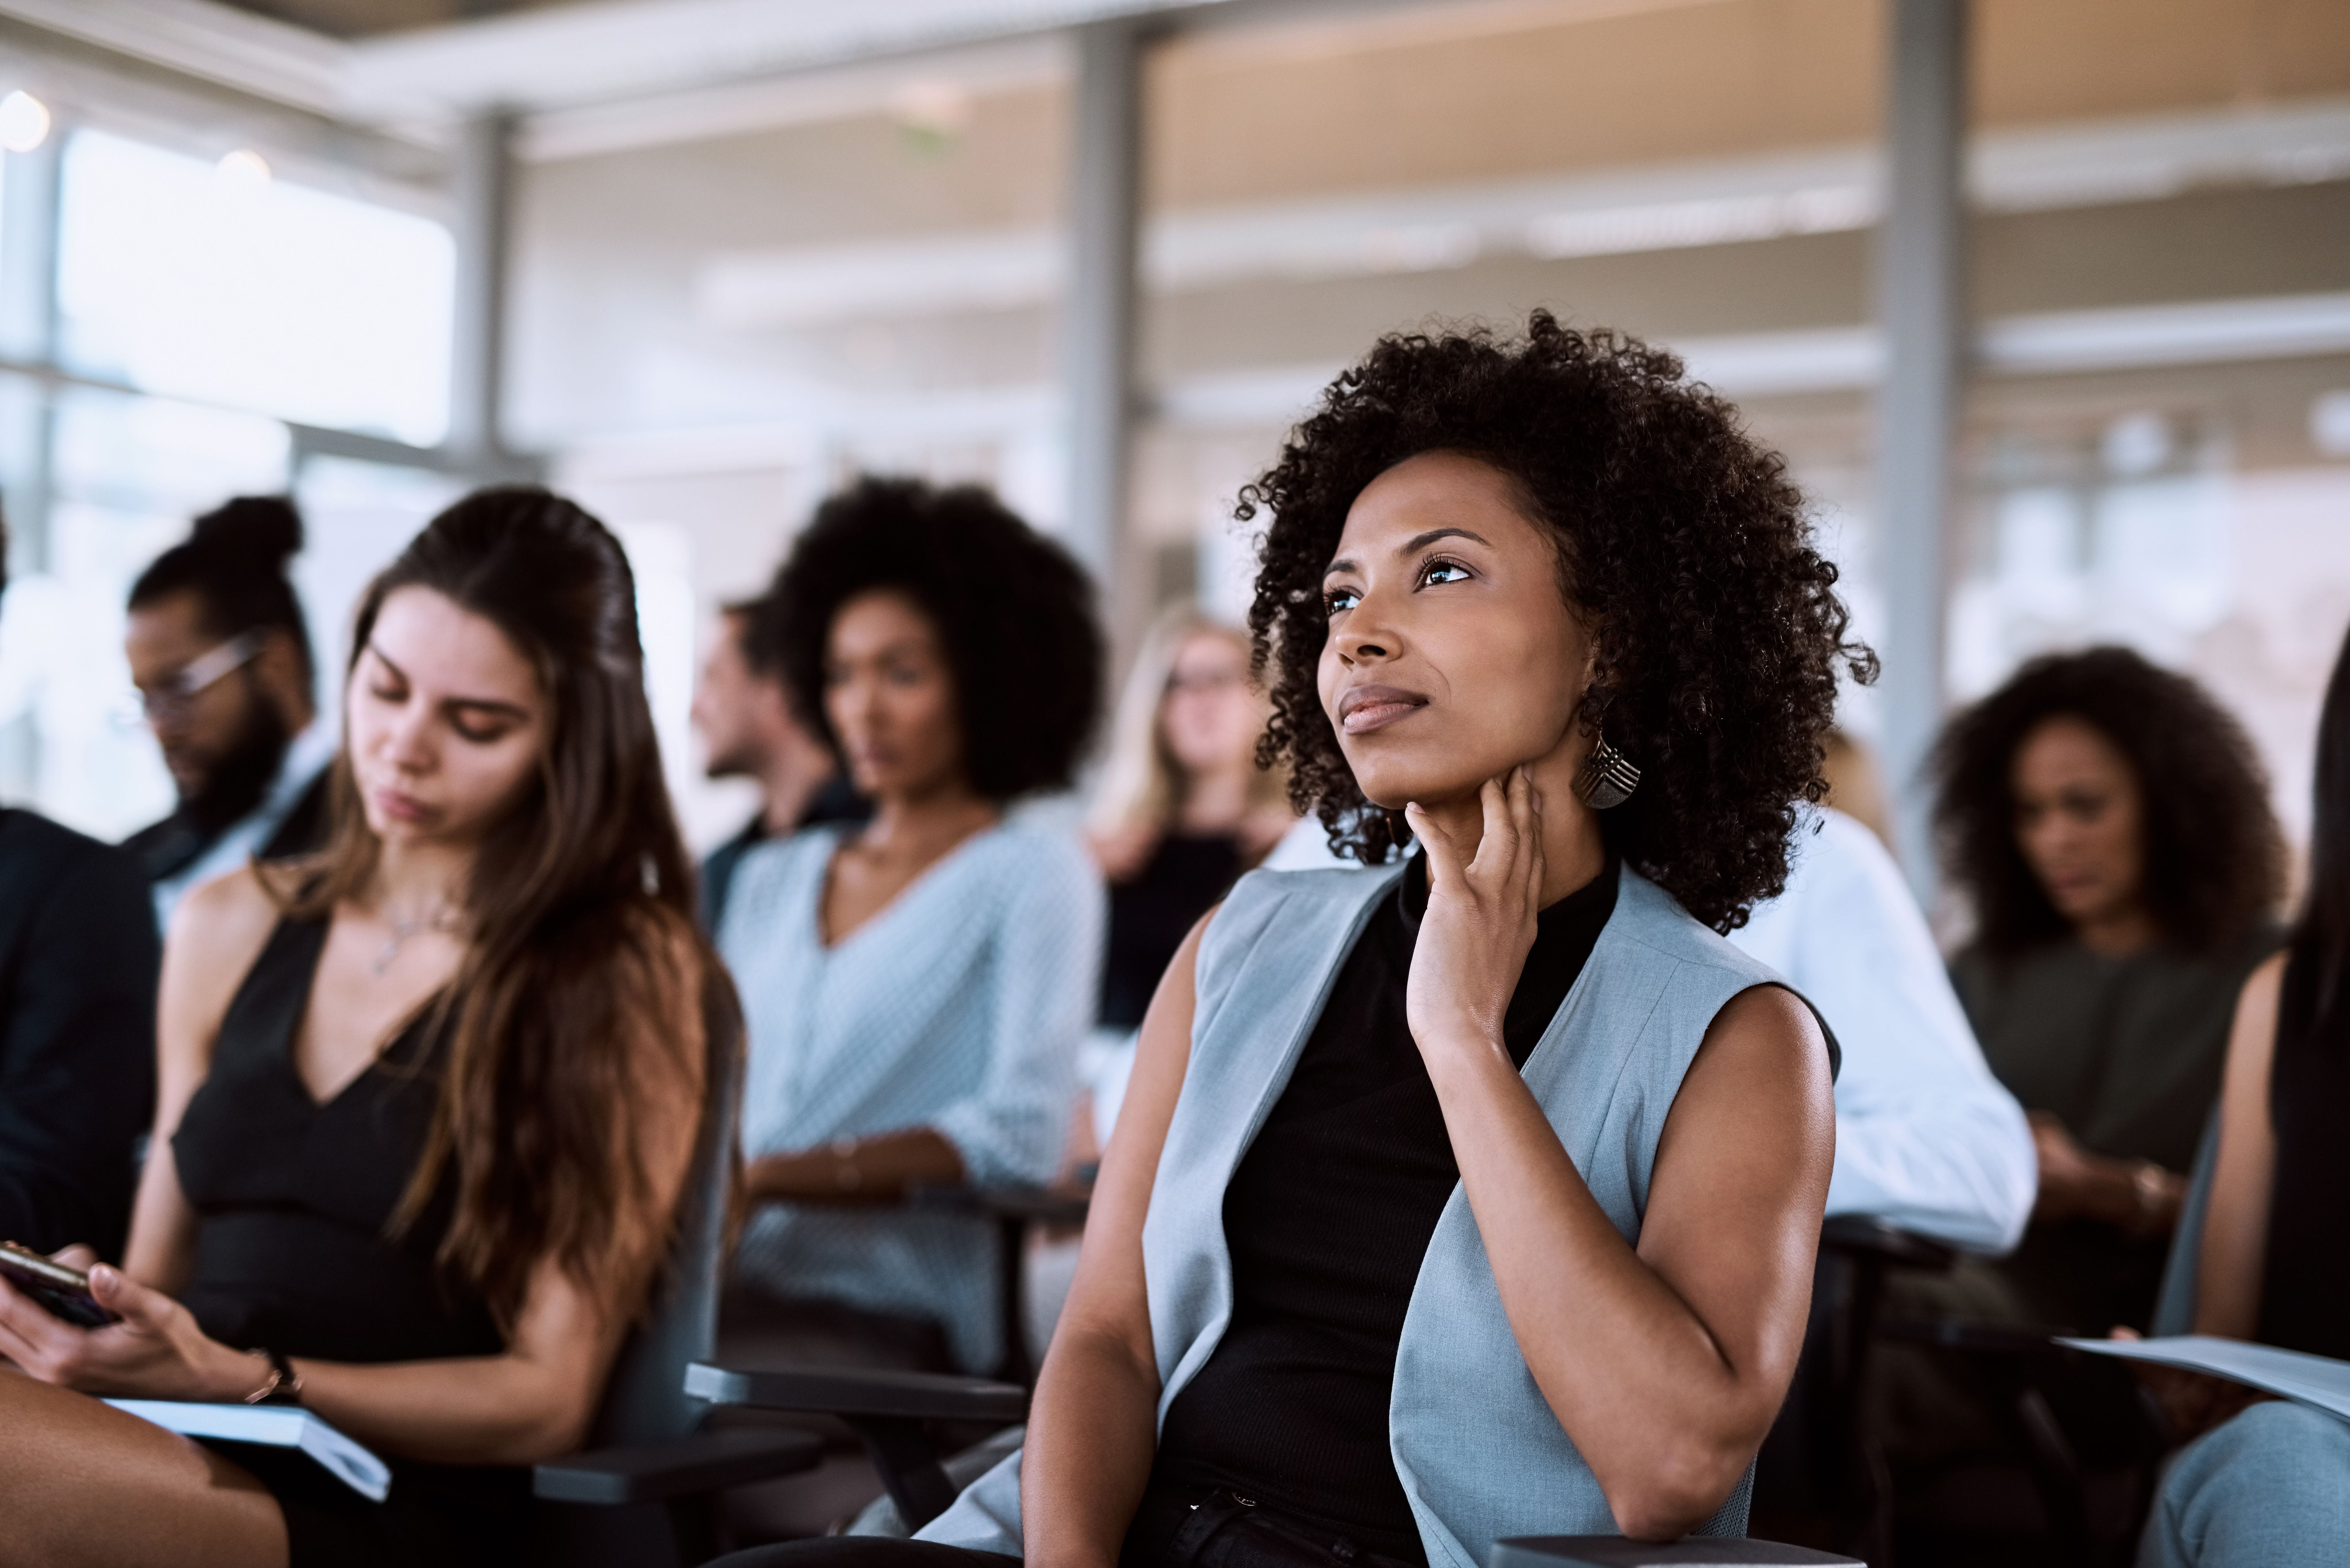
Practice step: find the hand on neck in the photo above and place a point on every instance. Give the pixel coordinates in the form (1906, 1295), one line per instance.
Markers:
(1572, 851)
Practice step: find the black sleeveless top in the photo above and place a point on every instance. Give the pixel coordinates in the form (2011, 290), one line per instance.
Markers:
(293, 1198)
(2305, 1274)
(1151, 915)
(1327, 1216)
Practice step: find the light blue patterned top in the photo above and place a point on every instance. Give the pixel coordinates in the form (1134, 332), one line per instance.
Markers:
(958, 1007)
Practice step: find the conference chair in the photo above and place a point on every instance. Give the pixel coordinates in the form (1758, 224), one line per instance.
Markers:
(2087, 1436)
(644, 1494)
(1821, 1479)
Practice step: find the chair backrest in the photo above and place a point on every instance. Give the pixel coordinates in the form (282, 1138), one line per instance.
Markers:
(645, 1400)
(2174, 1304)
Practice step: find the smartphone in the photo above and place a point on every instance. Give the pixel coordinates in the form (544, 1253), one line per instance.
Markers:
(62, 1292)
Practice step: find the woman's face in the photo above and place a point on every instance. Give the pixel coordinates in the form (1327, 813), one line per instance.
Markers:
(1451, 655)
(890, 696)
(2079, 818)
(1210, 719)
(446, 721)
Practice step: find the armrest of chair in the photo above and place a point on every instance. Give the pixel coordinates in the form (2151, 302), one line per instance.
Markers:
(1696, 1551)
(1027, 1204)
(903, 1396)
(1866, 1236)
(2011, 1341)
(886, 1410)
(656, 1473)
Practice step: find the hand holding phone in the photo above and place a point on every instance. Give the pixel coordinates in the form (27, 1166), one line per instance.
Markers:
(61, 1292)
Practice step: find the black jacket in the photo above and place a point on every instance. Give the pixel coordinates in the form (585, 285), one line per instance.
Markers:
(79, 961)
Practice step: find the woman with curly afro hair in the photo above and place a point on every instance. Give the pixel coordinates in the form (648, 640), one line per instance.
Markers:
(917, 986)
(1476, 1197)
(2111, 824)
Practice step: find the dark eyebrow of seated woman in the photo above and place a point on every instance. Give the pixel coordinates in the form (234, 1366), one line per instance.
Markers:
(426, 1102)
(1524, 1243)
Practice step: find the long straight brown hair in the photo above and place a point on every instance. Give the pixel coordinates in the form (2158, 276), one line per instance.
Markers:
(584, 948)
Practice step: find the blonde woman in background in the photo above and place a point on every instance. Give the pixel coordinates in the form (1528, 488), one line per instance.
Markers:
(1183, 811)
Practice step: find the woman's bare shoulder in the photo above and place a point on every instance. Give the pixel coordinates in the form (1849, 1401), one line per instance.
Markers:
(223, 923)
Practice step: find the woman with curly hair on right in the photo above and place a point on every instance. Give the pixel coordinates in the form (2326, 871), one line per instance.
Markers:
(2111, 825)
(1476, 1197)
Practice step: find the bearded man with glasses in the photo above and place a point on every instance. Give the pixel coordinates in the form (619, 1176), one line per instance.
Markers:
(220, 659)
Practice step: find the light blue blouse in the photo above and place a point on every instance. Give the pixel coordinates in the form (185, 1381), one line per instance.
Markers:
(958, 1007)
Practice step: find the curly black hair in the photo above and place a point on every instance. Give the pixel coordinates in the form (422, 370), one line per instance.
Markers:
(1014, 612)
(1682, 546)
(2214, 858)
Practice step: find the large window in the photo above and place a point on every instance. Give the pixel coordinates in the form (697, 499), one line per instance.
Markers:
(216, 282)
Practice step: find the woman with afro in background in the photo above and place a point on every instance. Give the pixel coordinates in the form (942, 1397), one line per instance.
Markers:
(917, 986)
(1482, 1189)
(2111, 826)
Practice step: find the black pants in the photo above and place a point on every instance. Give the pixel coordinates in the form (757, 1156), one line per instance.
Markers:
(1217, 1531)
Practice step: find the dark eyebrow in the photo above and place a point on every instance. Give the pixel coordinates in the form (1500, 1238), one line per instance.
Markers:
(491, 705)
(1340, 566)
(1419, 542)
(488, 705)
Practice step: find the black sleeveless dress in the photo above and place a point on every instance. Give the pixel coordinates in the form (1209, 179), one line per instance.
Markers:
(294, 1200)
(2305, 1272)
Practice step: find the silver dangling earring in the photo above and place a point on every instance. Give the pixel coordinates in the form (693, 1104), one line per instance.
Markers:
(1606, 777)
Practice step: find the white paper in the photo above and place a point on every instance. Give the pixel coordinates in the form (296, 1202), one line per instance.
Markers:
(2319, 1382)
(279, 1426)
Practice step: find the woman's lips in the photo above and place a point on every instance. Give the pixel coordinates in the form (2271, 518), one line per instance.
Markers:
(1369, 707)
(403, 807)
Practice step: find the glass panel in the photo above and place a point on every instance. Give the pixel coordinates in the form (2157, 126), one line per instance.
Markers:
(189, 279)
(130, 473)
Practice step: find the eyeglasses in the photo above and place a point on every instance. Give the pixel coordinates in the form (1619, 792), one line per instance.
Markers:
(171, 698)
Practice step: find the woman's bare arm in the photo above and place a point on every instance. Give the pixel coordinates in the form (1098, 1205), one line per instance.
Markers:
(1666, 1363)
(217, 932)
(1093, 1426)
(2236, 1220)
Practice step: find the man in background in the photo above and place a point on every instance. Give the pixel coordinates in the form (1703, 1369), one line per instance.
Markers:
(221, 659)
(749, 730)
(79, 958)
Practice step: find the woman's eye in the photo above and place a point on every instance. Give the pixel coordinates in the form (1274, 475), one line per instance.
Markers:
(386, 693)
(1443, 572)
(1338, 599)
(479, 734)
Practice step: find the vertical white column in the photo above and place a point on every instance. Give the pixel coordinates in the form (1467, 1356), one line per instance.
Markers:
(1921, 311)
(483, 190)
(1097, 325)
(28, 335)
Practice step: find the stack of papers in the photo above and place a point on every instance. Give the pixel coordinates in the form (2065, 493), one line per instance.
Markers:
(276, 1426)
(2319, 1382)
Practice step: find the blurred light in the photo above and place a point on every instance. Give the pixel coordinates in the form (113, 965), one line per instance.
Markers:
(2329, 423)
(2137, 444)
(23, 122)
(244, 167)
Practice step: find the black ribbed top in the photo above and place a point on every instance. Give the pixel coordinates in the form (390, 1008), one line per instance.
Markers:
(1328, 1217)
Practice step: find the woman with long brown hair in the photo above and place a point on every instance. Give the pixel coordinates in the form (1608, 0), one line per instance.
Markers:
(427, 1100)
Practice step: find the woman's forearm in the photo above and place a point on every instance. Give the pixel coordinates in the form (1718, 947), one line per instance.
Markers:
(1092, 1435)
(876, 1170)
(477, 1410)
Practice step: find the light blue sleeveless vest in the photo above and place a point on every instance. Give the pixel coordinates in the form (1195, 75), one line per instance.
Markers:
(1479, 1452)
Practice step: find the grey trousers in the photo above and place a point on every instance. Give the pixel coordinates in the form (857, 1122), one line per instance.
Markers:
(2270, 1489)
